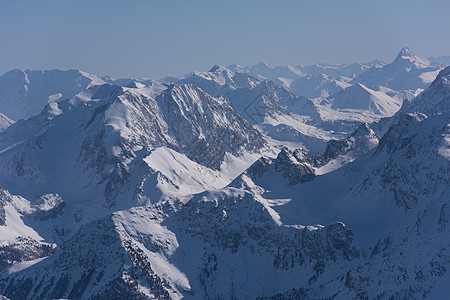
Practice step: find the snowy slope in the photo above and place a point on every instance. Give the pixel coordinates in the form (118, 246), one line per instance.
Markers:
(318, 80)
(125, 81)
(360, 97)
(263, 70)
(20, 241)
(400, 219)
(358, 103)
(219, 80)
(107, 136)
(282, 117)
(345, 70)
(204, 248)
(299, 165)
(245, 240)
(23, 93)
(406, 72)
(295, 121)
(434, 100)
(318, 86)
(133, 185)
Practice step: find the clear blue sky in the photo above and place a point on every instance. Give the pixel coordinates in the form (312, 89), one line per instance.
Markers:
(157, 38)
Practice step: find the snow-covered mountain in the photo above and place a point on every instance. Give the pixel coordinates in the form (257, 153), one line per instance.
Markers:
(434, 100)
(277, 113)
(263, 70)
(387, 231)
(406, 72)
(23, 93)
(112, 139)
(360, 97)
(173, 191)
(125, 81)
(318, 86)
(219, 80)
(299, 166)
(318, 80)
(342, 70)
(296, 121)
(358, 103)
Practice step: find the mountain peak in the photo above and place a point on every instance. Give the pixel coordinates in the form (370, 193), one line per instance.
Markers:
(405, 52)
(363, 130)
(405, 56)
(217, 67)
(264, 64)
(444, 73)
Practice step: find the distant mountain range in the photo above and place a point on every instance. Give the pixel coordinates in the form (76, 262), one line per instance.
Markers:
(259, 182)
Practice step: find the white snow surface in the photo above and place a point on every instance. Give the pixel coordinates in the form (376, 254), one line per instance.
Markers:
(165, 191)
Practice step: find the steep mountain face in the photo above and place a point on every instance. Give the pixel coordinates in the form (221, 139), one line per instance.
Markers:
(287, 119)
(23, 93)
(105, 133)
(219, 80)
(280, 115)
(299, 166)
(341, 152)
(386, 184)
(156, 191)
(406, 72)
(432, 101)
(209, 245)
(20, 242)
(204, 248)
(245, 241)
(292, 166)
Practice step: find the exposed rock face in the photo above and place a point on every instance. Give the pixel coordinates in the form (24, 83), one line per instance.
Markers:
(294, 170)
(114, 255)
(22, 249)
(2, 213)
(116, 128)
(205, 127)
(244, 240)
(299, 166)
(50, 206)
(360, 141)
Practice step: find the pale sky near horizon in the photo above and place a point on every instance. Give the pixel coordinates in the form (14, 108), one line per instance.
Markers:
(153, 39)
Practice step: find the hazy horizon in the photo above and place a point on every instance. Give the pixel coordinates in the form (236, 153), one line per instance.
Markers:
(156, 39)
